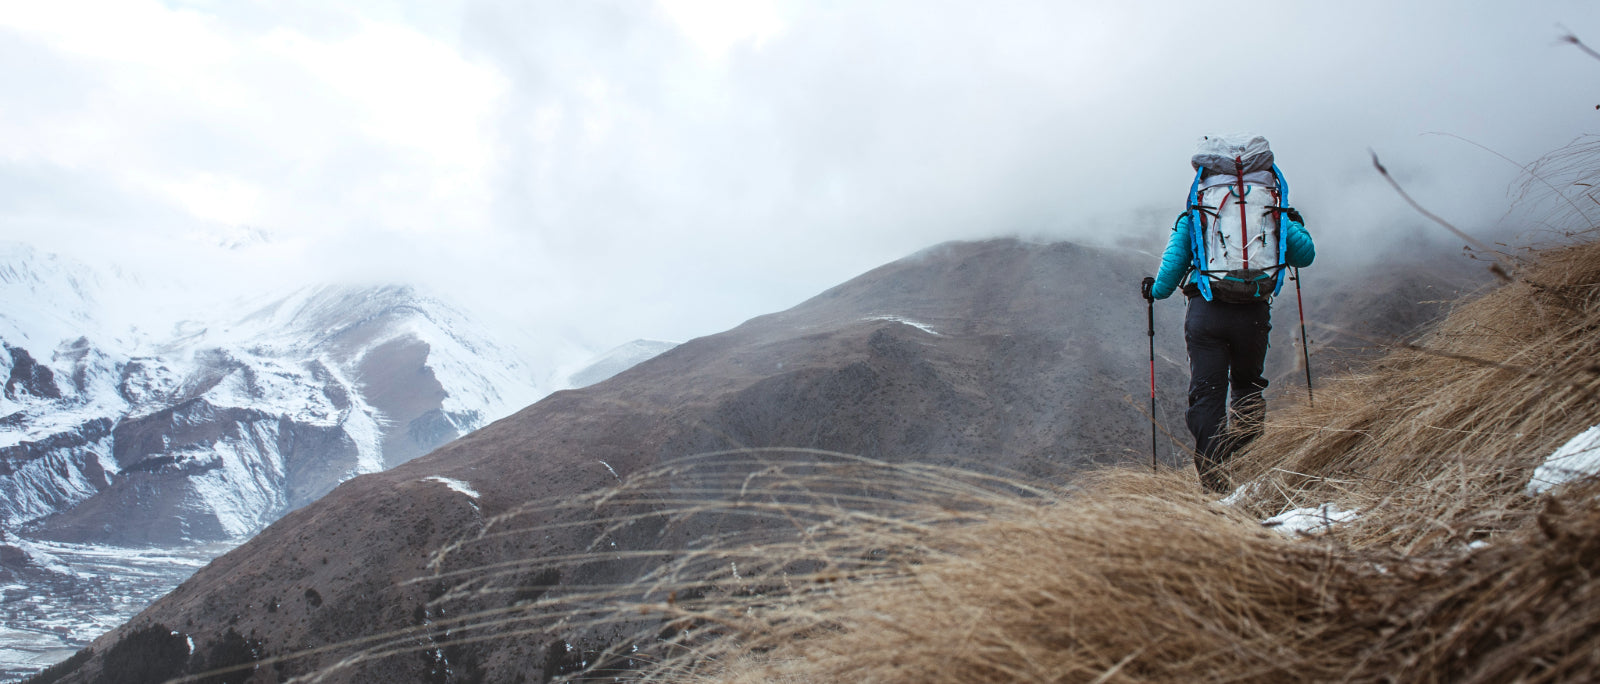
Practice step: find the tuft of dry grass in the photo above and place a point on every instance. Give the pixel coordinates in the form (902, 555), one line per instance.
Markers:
(1130, 584)
(1435, 442)
(1123, 586)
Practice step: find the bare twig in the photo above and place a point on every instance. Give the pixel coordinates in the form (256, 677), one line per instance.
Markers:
(1572, 39)
(1499, 269)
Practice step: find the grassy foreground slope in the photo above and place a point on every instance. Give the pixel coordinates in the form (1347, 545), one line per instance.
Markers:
(1451, 572)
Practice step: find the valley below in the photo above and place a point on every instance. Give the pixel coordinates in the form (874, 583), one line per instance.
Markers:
(82, 591)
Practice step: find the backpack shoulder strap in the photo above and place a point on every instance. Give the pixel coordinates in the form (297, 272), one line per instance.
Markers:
(1197, 233)
(1283, 235)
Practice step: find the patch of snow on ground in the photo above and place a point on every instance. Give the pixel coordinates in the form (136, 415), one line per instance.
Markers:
(1309, 521)
(1244, 491)
(1577, 459)
(924, 327)
(457, 485)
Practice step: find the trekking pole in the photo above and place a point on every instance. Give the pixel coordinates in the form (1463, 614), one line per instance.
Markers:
(1150, 300)
(1305, 344)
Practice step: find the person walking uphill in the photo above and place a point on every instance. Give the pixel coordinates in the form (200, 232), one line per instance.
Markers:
(1228, 252)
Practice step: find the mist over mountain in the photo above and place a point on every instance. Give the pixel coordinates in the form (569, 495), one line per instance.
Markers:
(1001, 356)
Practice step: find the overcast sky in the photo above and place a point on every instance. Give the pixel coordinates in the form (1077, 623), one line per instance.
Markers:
(613, 170)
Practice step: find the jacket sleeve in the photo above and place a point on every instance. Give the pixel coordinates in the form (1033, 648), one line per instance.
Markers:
(1177, 261)
(1301, 251)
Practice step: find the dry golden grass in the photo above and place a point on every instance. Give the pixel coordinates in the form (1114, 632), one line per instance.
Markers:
(1126, 586)
(1133, 583)
(1139, 578)
(1435, 442)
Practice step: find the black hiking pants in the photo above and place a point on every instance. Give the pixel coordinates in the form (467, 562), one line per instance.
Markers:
(1227, 349)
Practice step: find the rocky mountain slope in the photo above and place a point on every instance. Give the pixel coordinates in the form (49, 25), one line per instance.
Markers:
(119, 436)
(140, 436)
(1001, 356)
(124, 436)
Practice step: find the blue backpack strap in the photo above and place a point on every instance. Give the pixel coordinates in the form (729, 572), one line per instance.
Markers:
(1197, 236)
(1283, 235)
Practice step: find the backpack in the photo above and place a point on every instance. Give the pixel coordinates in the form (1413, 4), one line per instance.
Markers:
(1236, 209)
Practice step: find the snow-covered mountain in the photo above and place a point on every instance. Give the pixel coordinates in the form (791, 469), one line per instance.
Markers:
(617, 360)
(221, 423)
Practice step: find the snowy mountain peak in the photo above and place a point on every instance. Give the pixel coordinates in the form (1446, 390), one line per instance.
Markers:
(231, 420)
(617, 360)
(48, 298)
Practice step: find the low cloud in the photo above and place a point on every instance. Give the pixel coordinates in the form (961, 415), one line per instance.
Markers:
(614, 170)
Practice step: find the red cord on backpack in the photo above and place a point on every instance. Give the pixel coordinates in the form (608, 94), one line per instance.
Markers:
(1244, 224)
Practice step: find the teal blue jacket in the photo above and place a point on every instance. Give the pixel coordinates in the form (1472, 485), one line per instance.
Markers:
(1178, 260)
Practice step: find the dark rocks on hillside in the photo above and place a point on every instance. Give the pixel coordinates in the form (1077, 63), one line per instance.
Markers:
(155, 500)
(195, 421)
(90, 432)
(72, 462)
(29, 377)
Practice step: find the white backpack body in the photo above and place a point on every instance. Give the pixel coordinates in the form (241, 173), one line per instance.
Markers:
(1236, 208)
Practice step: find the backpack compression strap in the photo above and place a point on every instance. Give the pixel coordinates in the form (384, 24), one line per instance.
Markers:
(1244, 219)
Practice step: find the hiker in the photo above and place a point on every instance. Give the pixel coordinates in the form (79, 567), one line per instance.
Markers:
(1229, 251)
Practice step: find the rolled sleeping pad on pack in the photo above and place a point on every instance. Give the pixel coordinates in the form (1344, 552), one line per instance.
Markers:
(1235, 154)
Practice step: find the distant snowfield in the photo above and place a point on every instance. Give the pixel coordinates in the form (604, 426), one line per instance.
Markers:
(26, 651)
